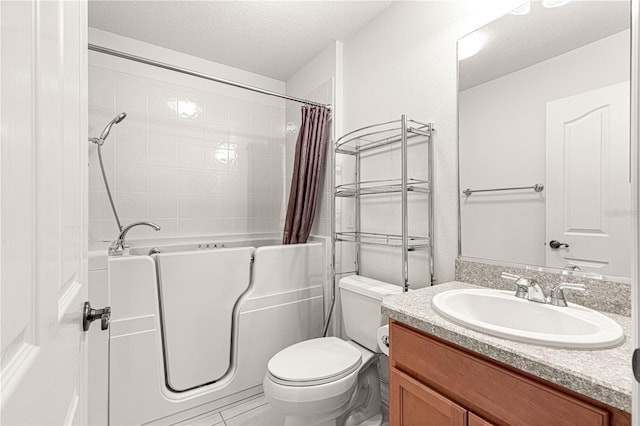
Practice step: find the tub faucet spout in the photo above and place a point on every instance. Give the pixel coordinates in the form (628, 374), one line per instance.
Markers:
(118, 246)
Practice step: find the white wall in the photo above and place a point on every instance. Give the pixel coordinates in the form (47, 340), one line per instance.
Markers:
(196, 157)
(502, 144)
(404, 62)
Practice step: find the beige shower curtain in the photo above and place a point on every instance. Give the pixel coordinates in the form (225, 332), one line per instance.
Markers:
(307, 174)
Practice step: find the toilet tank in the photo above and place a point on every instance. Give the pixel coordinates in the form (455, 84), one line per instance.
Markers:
(361, 298)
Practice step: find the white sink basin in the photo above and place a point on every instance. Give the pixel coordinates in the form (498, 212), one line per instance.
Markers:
(501, 314)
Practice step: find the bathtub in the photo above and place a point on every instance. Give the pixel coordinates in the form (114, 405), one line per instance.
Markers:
(154, 374)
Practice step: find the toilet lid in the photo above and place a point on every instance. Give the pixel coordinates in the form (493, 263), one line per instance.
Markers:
(317, 360)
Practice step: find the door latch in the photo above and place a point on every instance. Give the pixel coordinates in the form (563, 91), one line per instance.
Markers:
(89, 315)
(555, 244)
(635, 364)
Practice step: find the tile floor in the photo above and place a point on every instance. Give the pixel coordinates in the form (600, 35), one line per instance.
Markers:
(254, 411)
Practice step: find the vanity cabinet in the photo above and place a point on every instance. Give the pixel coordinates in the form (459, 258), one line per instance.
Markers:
(434, 382)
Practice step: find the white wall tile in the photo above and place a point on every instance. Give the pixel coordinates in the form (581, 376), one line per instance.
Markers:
(260, 164)
(99, 205)
(217, 158)
(163, 205)
(190, 156)
(238, 225)
(188, 226)
(132, 149)
(131, 93)
(96, 182)
(190, 131)
(169, 227)
(102, 80)
(186, 157)
(261, 121)
(238, 184)
(261, 185)
(163, 179)
(239, 161)
(235, 206)
(162, 101)
(260, 206)
(240, 116)
(216, 111)
(198, 206)
(278, 166)
(161, 151)
(131, 178)
(132, 205)
(201, 182)
(261, 145)
(191, 106)
(103, 230)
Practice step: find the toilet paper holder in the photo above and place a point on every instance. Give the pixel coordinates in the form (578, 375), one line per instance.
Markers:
(385, 340)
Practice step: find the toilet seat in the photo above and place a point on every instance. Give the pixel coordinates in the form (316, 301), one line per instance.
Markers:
(314, 362)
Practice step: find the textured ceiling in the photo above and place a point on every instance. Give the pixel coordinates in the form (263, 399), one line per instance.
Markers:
(272, 38)
(540, 35)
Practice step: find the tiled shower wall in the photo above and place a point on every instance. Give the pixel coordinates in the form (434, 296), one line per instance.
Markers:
(194, 161)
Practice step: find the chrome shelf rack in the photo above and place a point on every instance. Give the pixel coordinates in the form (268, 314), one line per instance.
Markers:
(391, 135)
(386, 186)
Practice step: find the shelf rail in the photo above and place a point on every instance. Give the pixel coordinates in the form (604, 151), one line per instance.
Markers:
(398, 134)
(379, 135)
(538, 187)
(381, 186)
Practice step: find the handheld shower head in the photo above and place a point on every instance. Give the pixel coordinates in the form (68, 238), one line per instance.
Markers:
(99, 141)
(120, 117)
(105, 133)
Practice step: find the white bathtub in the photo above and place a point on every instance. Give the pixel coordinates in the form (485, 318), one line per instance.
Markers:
(282, 305)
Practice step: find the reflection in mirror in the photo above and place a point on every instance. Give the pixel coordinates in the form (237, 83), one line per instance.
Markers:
(544, 138)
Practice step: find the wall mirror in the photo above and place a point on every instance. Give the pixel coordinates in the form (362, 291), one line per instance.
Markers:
(544, 144)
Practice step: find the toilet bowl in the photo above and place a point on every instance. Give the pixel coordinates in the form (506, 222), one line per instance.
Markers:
(330, 381)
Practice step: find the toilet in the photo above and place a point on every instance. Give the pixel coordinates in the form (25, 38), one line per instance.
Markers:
(330, 381)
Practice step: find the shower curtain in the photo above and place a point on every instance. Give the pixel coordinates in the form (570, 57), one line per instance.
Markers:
(307, 174)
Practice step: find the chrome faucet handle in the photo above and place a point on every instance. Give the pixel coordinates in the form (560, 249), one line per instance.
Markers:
(556, 298)
(523, 289)
(528, 288)
(116, 248)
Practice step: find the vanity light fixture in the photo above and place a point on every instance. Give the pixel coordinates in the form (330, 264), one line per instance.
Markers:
(469, 46)
(554, 3)
(522, 10)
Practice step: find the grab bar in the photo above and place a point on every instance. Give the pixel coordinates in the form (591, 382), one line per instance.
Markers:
(538, 187)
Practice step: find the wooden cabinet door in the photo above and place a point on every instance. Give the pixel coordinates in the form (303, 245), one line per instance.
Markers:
(413, 404)
(478, 421)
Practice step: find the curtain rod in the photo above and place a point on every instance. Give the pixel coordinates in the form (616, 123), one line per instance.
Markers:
(146, 61)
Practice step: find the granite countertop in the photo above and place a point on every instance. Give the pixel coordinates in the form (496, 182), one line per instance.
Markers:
(604, 374)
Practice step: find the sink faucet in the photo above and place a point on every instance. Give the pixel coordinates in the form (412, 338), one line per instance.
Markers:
(556, 298)
(528, 288)
(118, 246)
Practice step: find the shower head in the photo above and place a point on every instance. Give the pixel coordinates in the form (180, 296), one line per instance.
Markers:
(120, 117)
(105, 133)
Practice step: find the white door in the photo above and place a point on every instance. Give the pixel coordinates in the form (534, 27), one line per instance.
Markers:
(588, 189)
(43, 212)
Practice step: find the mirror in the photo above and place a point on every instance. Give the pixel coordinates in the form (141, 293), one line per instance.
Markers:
(544, 144)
